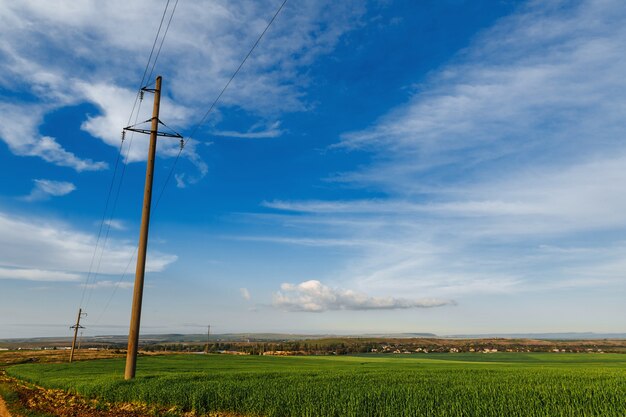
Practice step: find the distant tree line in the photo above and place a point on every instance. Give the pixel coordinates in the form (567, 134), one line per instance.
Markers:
(349, 346)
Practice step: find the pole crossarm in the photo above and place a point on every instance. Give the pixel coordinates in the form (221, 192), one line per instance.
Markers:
(175, 134)
(148, 131)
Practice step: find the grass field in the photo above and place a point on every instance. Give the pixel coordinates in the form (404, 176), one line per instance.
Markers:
(502, 384)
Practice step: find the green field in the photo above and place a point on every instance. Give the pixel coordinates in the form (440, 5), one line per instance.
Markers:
(499, 385)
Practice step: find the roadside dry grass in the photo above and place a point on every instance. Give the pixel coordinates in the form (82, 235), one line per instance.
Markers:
(13, 357)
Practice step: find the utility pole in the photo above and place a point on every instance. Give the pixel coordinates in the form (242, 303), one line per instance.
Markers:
(208, 336)
(133, 334)
(76, 327)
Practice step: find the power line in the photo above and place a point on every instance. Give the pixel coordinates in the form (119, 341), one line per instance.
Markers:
(106, 206)
(167, 28)
(117, 285)
(213, 104)
(196, 127)
(117, 195)
(145, 71)
(138, 98)
(237, 70)
(108, 229)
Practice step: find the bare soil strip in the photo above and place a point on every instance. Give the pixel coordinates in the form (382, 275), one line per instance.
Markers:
(62, 404)
(3, 409)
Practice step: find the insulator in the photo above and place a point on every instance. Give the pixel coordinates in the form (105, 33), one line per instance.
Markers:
(182, 144)
(140, 95)
(123, 135)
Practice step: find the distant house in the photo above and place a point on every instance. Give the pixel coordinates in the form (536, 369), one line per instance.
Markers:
(232, 352)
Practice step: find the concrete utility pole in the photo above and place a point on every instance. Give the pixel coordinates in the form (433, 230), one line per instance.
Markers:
(208, 337)
(133, 334)
(135, 318)
(76, 327)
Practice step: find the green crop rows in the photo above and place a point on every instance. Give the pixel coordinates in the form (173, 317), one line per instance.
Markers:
(498, 385)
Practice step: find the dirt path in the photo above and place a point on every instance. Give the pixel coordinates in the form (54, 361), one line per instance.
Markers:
(3, 409)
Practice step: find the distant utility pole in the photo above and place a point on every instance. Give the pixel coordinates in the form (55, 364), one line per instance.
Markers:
(133, 334)
(76, 327)
(208, 337)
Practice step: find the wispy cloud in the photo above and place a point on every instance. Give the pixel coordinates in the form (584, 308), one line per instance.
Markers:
(115, 224)
(180, 180)
(313, 296)
(19, 131)
(272, 131)
(109, 284)
(245, 294)
(520, 94)
(113, 102)
(514, 145)
(37, 275)
(205, 44)
(489, 237)
(45, 189)
(551, 201)
(305, 241)
(60, 247)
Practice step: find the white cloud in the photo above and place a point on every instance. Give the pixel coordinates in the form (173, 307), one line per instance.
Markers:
(185, 178)
(45, 189)
(313, 296)
(115, 224)
(516, 144)
(272, 131)
(306, 241)
(19, 131)
(190, 152)
(488, 237)
(109, 284)
(245, 293)
(541, 87)
(180, 180)
(586, 196)
(59, 247)
(67, 54)
(115, 104)
(37, 275)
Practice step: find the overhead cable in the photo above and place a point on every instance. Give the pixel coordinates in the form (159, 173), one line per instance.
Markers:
(214, 103)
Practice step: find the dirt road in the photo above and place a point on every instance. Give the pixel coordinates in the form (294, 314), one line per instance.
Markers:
(3, 409)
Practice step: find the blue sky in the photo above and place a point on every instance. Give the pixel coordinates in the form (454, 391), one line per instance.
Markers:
(376, 166)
